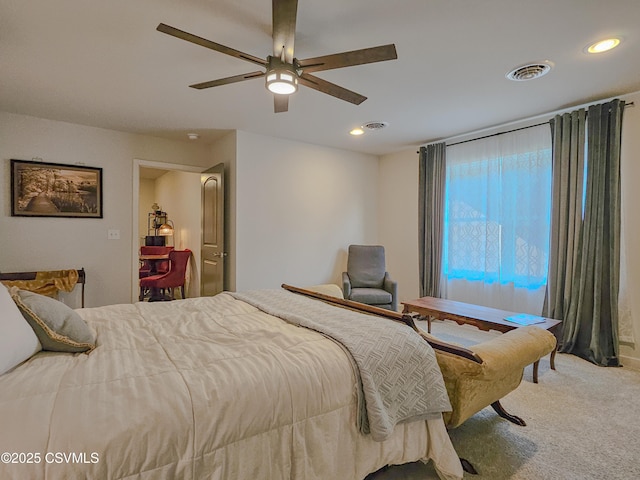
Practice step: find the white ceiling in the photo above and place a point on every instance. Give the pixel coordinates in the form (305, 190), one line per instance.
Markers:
(103, 63)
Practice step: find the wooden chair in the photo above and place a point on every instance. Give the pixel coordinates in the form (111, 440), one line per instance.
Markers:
(153, 268)
(175, 277)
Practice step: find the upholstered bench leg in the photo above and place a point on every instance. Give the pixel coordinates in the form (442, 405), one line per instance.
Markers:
(536, 364)
(552, 363)
(468, 467)
(497, 406)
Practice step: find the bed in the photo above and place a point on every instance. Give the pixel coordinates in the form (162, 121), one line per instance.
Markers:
(209, 387)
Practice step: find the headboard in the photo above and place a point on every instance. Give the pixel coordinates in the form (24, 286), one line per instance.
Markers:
(36, 276)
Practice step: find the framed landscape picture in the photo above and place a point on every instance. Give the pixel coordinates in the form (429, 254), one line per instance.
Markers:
(40, 189)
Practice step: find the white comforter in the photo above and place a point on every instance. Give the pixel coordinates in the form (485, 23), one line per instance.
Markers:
(199, 388)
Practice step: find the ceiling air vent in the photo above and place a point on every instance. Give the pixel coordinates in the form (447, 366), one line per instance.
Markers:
(375, 125)
(530, 71)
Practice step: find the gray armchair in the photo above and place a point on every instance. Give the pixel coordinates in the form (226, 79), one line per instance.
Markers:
(366, 279)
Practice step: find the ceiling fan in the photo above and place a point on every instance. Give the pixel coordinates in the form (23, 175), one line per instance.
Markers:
(283, 72)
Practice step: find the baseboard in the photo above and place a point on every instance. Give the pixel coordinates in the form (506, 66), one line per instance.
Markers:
(630, 362)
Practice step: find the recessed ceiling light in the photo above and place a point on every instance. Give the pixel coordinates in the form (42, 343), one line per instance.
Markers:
(356, 131)
(603, 45)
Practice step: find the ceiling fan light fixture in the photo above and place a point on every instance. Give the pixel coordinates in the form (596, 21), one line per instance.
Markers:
(286, 85)
(281, 78)
(283, 71)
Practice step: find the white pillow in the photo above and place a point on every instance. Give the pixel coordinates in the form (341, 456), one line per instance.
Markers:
(18, 341)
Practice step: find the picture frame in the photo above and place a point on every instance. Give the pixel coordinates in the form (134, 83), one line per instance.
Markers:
(41, 189)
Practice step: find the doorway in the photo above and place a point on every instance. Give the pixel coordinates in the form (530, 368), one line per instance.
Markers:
(178, 194)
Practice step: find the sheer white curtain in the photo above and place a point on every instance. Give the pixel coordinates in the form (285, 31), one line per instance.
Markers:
(497, 218)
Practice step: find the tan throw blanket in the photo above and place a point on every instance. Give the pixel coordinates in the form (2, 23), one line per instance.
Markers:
(398, 373)
(47, 283)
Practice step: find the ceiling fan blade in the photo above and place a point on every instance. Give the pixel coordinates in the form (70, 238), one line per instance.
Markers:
(280, 103)
(284, 27)
(337, 91)
(189, 37)
(348, 59)
(227, 80)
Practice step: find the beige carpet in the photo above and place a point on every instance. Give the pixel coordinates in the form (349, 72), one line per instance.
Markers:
(583, 422)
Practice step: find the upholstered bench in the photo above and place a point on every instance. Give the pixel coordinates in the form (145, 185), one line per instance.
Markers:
(476, 377)
(480, 375)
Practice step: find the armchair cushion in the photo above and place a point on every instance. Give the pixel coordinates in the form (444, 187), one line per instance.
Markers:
(366, 266)
(370, 296)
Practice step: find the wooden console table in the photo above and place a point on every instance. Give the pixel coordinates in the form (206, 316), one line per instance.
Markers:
(484, 318)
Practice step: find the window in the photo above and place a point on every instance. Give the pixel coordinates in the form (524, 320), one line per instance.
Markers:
(497, 218)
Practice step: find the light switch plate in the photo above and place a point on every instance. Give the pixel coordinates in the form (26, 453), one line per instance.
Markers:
(113, 234)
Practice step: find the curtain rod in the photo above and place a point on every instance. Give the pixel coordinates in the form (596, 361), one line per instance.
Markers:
(628, 104)
(496, 134)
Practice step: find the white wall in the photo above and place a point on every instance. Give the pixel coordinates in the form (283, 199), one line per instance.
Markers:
(292, 208)
(224, 151)
(399, 194)
(28, 243)
(398, 219)
(298, 207)
(146, 198)
(631, 221)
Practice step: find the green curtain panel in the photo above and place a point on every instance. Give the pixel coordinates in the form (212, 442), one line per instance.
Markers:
(431, 188)
(568, 147)
(590, 324)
